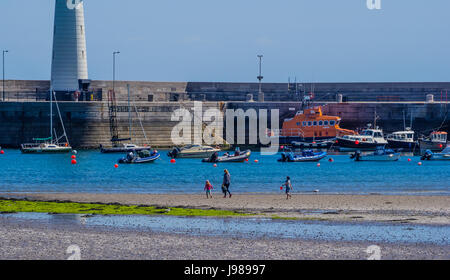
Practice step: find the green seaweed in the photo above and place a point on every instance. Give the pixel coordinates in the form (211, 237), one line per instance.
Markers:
(25, 206)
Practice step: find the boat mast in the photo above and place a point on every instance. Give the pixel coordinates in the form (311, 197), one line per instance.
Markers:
(51, 115)
(129, 111)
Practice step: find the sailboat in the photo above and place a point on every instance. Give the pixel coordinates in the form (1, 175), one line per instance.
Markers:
(118, 145)
(51, 144)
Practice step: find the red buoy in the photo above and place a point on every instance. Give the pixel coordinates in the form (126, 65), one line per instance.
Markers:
(282, 147)
(409, 160)
(173, 160)
(116, 165)
(246, 160)
(357, 142)
(420, 163)
(440, 146)
(2, 152)
(318, 165)
(215, 165)
(281, 188)
(256, 161)
(314, 142)
(74, 161)
(331, 160)
(74, 156)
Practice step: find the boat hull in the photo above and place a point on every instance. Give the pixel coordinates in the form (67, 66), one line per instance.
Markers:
(121, 150)
(62, 150)
(299, 158)
(406, 146)
(196, 155)
(150, 159)
(431, 145)
(389, 157)
(241, 158)
(350, 145)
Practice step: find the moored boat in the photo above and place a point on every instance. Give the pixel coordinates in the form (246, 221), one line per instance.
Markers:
(368, 140)
(402, 140)
(193, 151)
(304, 156)
(380, 154)
(444, 155)
(142, 156)
(436, 142)
(51, 144)
(122, 148)
(236, 157)
(309, 126)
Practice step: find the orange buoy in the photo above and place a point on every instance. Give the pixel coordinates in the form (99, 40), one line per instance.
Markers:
(74, 161)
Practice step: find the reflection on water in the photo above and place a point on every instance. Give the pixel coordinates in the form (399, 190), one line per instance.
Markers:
(233, 227)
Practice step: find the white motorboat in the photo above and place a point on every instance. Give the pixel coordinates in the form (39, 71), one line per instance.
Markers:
(402, 140)
(369, 139)
(193, 151)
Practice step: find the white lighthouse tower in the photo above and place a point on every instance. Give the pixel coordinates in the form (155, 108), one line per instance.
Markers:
(69, 60)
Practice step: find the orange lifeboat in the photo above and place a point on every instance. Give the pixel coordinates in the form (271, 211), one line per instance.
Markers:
(312, 125)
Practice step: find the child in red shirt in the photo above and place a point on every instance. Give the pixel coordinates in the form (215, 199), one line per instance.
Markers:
(208, 189)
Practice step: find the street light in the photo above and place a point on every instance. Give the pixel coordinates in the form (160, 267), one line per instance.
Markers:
(260, 78)
(114, 69)
(4, 52)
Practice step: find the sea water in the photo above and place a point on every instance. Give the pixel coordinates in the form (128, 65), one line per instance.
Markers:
(95, 172)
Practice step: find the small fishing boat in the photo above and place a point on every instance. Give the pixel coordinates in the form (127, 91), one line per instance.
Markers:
(436, 142)
(236, 157)
(122, 148)
(304, 156)
(143, 156)
(444, 155)
(402, 140)
(380, 154)
(368, 140)
(193, 151)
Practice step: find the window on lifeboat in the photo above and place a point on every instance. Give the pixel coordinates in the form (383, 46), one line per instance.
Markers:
(320, 123)
(304, 123)
(298, 124)
(325, 123)
(315, 123)
(332, 122)
(309, 123)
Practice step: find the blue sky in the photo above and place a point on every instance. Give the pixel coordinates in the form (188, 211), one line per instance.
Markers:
(212, 40)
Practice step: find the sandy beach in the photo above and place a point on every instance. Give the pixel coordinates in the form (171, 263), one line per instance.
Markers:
(362, 208)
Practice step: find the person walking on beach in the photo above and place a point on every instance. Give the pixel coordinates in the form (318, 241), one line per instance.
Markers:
(288, 187)
(208, 189)
(226, 183)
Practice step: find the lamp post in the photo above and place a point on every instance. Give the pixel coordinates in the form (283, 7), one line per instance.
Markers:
(260, 78)
(114, 69)
(4, 52)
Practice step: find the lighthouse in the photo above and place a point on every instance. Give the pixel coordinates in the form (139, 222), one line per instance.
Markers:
(69, 57)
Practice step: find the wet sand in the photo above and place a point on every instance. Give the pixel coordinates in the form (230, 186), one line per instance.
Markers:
(26, 240)
(361, 208)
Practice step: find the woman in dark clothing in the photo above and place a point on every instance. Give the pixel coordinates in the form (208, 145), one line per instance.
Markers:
(226, 183)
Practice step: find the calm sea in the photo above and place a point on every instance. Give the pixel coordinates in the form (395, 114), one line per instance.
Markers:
(95, 172)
